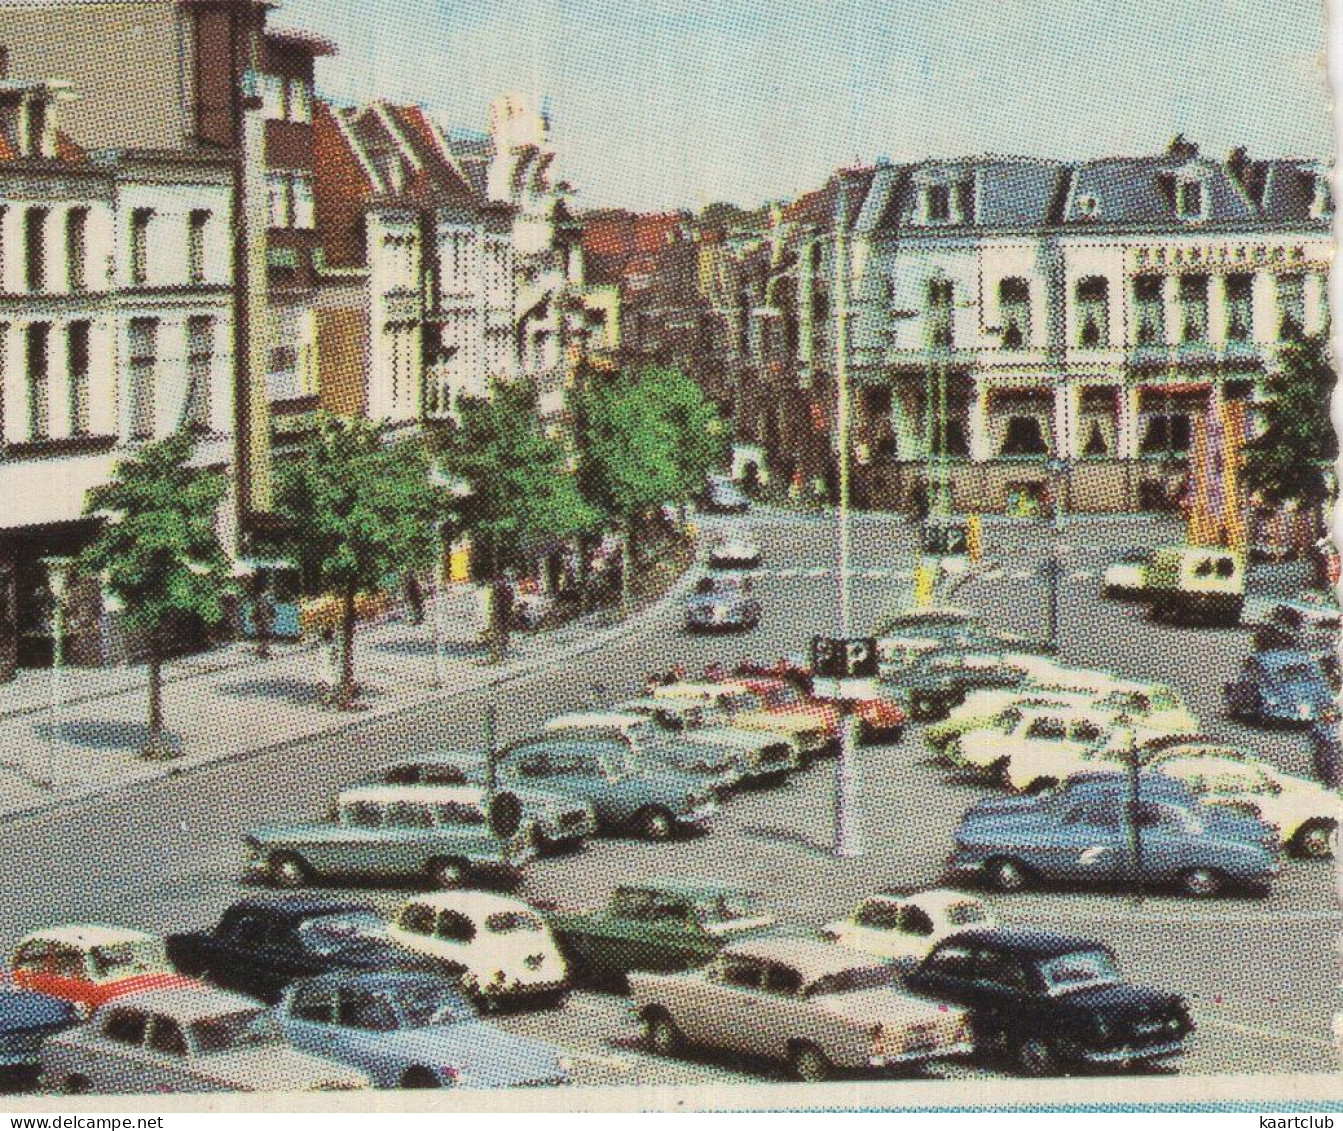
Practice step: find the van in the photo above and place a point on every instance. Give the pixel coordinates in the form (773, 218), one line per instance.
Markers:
(1197, 583)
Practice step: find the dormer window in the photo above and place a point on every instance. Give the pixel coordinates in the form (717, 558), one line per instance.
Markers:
(1189, 199)
(1322, 201)
(938, 204)
(1088, 207)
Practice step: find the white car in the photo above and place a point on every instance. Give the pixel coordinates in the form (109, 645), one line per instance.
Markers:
(187, 1040)
(736, 551)
(1028, 747)
(905, 928)
(1304, 813)
(500, 949)
(1127, 576)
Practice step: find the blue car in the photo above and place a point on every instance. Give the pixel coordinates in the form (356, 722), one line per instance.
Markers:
(1086, 838)
(722, 604)
(27, 1019)
(411, 1031)
(1285, 686)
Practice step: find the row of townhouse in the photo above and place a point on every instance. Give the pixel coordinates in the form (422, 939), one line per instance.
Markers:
(191, 238)
(1025, 328)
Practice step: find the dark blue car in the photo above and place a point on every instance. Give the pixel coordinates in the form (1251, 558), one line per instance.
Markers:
(1284, 686)
(26, 1020)
(1087, 837)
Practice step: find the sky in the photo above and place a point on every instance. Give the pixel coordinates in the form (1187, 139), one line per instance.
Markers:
(660, 104)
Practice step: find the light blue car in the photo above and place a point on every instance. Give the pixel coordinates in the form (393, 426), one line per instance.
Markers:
(410, 1030)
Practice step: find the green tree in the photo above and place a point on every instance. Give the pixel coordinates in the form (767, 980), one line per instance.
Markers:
(158, 552)
(701, 432)
(523, 491)
(360, 510)
(1290, 459)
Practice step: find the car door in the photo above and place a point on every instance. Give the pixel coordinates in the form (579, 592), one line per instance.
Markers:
(168, 1064)
(1168, 842)
(1089, 841)
(246, 962)
(948, 974)
(364, 1018)
(1001, 986)
(721, 1010)
(117, 1062)
(455, 942)
(308, 1018)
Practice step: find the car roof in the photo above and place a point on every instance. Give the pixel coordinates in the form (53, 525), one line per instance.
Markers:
(187, 1003)
(606, 719)
(700, 688)
(87, 935)
(296, 907)
(474, 903)
(812, 957)
(937, 899)
(1036, 944)
(1066, 710)
(687, 887)
(660, 703)
(379, 979)
(466, 794)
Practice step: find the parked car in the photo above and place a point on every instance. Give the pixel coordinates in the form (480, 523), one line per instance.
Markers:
(747, 710)
(661, 925)
(735, 551)
(1126, 576)
(814, 1005)
(1279, 687)
(188, 1040)
(553, 821)
(1052, 1002)
(762, 755)
(722, 496)
(500, 949)
(723, 603)
(1196, 583)
(444, 835)
(783, 699)
(1024, 744)
(646, 797)
(27, 1019)
(259, 946)
(1326, 750)
(412, 1031)
(1303, 814)
(904, 928)
(930, 620)
(90, 964)
(881, 718)
(714, 765)
(940, 678)
(1088, 839)
(1306, 626)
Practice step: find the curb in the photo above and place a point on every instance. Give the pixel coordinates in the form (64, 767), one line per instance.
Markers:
(525, 668)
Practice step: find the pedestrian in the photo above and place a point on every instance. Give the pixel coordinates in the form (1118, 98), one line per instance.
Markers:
(414, 597)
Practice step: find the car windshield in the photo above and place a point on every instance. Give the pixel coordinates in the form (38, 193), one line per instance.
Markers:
(124, 959)
(1079, 970)
(851, 980)
(740, 701)
(424, 1004)
(727, 907)
(508, 922)
(326, 934)
(244, 1029)
(959, 914)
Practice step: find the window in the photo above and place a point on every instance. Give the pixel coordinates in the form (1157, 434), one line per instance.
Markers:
(916, 921)
(740, 972)
(940, 295)
(782, 980)
(1025, 436)
(273, 97)
(200, 358)
(362, 815)
(126, 1026)
(1189, 200)
(408, 815)
(1014, 301)
(39, 407)
(1050, 730)
(952, 961)
(299, 101)
(1193, 308)
(1291, 307)
(417, 919)
(304, 210)
(1239, 290)
(359, 1009)
(459, 813)
(76, 248)
(1001, 970)
(143, 359)
(166, 1036)
(1093, 312)
(1167, 434)
(140, 220)
(937, 203)
(35, 248)
(313, 1003)
(77, 367)
(197, 227)
(878, 916)
(455, 927)
(279, 204)
(250, 931)
(1149, 310)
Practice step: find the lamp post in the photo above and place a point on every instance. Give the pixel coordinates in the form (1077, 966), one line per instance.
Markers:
(59, 570)
(460, 490)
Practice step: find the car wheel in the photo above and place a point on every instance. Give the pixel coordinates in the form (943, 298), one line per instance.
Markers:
(661, 1033)
(447, 873)
(418, 1077)
(655, 823)
(1007, 875)
(808, 1063)
(76, 1085)
(1035, 1057)
(287, 870)
(1315, 839)
(1201, 882)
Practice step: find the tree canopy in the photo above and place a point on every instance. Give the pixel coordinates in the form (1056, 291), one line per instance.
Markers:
(1288, 460)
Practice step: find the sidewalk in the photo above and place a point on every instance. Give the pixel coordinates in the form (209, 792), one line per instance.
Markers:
(227, 703)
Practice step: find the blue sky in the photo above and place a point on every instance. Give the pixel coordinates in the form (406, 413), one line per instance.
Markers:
(661, 104)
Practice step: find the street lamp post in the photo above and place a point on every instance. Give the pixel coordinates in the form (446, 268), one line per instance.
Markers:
(460, 490)
(59, 570)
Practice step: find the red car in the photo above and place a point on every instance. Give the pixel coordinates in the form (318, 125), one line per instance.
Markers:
(879, 720)
(90, 965)
(781, 697)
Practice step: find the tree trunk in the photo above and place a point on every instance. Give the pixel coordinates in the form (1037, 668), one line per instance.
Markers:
(155, 747)
(347, 691)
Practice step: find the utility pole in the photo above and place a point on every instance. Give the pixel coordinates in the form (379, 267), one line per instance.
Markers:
(848, 841)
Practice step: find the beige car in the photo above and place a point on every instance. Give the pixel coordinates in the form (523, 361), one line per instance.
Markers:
(744, 709)
(816, 1005)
